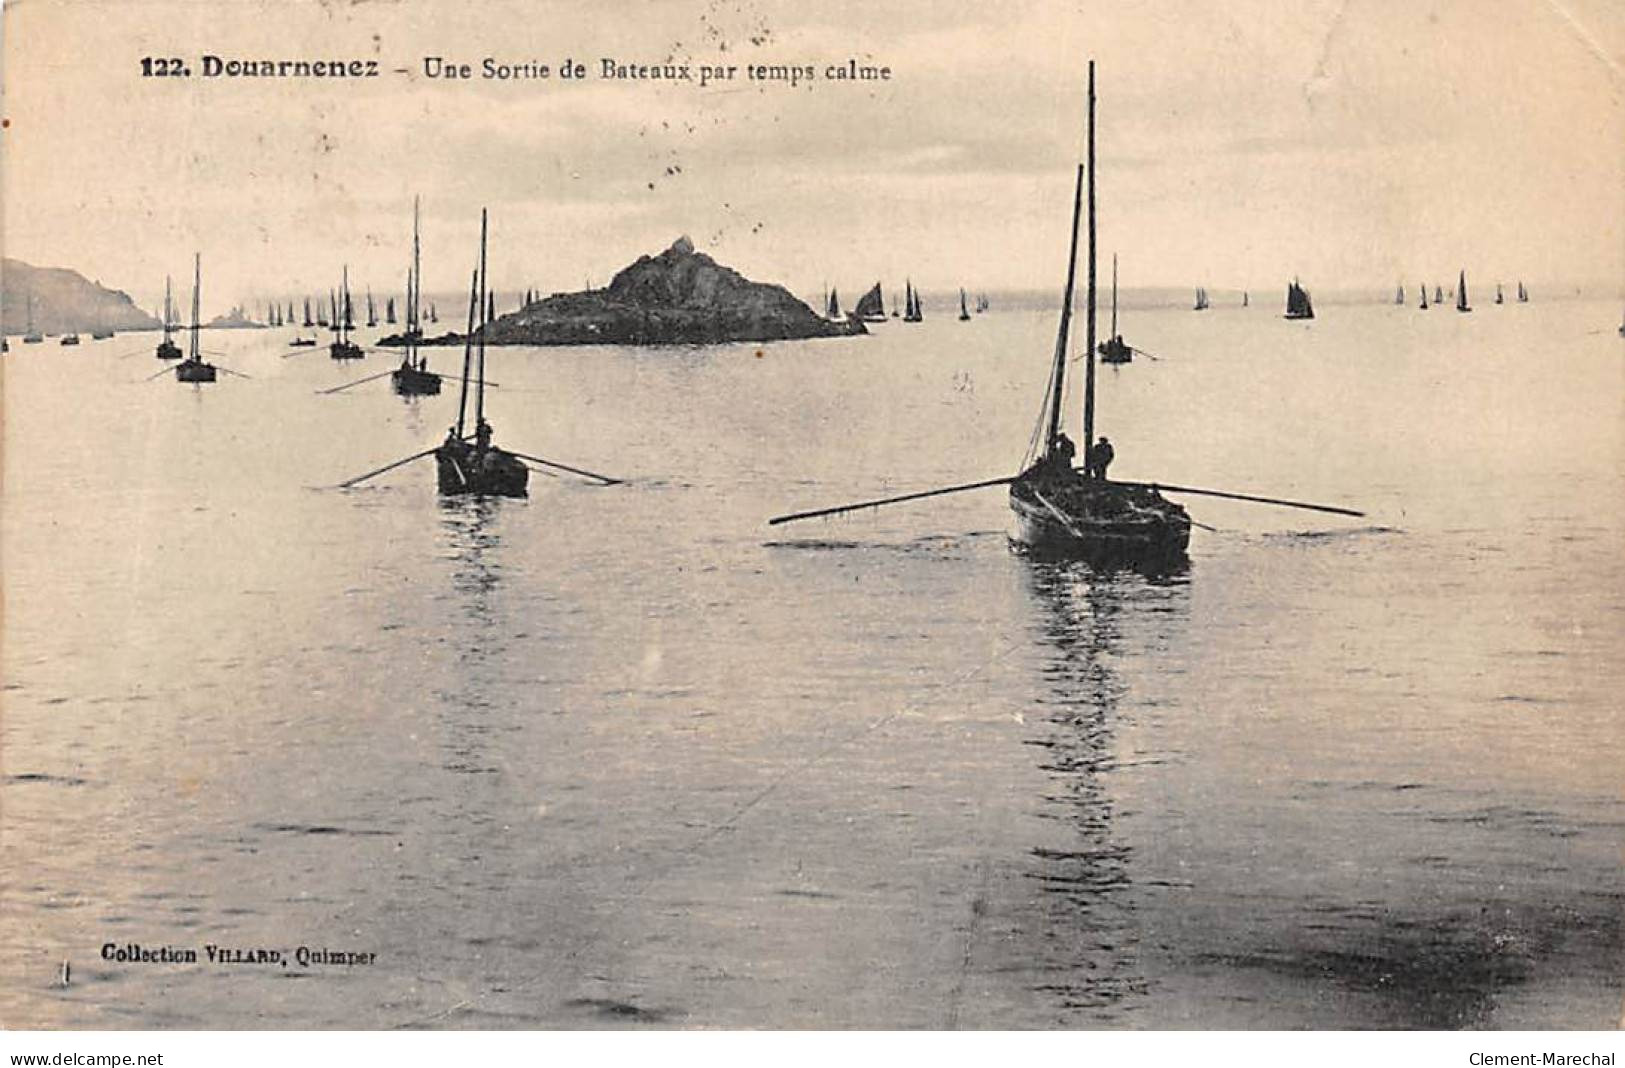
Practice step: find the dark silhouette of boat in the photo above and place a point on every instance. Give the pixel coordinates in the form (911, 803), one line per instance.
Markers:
(1114, 349)
(981, 302)
(1201, 300)
(871, 307)
(1523, 294)
(194, 368)
(1298, 305)
(832, 306)
(1060, 510)
(413, 377)
(167, 349)
(1499, 297)
(70, 339)
(342, 347)
(964, 312)
(1399, 294)
(1461, 294)
(1438, 294)
(911, 304)
(477, 467)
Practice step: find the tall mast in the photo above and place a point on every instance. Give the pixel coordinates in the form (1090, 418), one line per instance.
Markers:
(414, 284)
(1089, 335)
(1058, 376)
(468, 350)
(197, 283)
(344, 304)
(1114, 295)
(169, 313)
(479, 381)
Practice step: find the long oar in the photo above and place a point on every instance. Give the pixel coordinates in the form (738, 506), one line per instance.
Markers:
(891, 500)
(1247, 497)
(229, 371)
(357, 382)
(387, 467)
(605, 479)
(161, 371)
(1142, 352)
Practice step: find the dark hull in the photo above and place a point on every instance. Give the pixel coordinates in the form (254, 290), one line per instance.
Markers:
(168, 350)
(1112, 352)
(70, 339)
(344, 350)
(410, 382)
(463, 470)
(1299, 315)
(194, 371)
(1105, 522)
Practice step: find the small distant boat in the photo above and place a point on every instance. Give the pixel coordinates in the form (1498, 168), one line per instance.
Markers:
(434, 316)
(413, 377)
(308, 323)
(981, 302)
(70, 339)
(193, 368)
(1113, 349)
(1523, 294)
(1201, 300)
(871, 307)
(964, 312)
(389, 311)
(372, 311)
(1438, 294)
(1244, 300)
(342, 347)
(1298, 305)
(167, 349)
(1461, 294)
(101, 335)
(302, 343)
(1399, 295)
(832, 306)
(911, 304)
(1424, 305)
(1499, 299)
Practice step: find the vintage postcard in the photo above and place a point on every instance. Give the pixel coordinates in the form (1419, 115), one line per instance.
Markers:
(739, 514)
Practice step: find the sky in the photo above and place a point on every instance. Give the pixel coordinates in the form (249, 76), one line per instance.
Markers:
(1348, 143)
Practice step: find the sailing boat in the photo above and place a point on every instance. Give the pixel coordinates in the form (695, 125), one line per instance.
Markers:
(981, 302)
(871, 306)
(167, 349)
(193, 368)
(832, 311)
(1499, 299)
(32, 336)
(1461, 294)
(1297, 302)
(911, 304)
(1399, 294)
(372, 309)
(1424, 305)
(1059, 509)
(413, 377)
(478, 467)
(1438, 294)
(1201, 300)
(1245, 300)
(342, 347)
(1523, 294)
(964, 313)
(1113, 350)
(434, 316)
(308, 322)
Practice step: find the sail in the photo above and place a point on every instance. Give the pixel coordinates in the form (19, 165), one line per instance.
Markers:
(1399, 295)
(871, 306)
(1461, 294)
(1298, 305)
(833, 311)
(964, 312)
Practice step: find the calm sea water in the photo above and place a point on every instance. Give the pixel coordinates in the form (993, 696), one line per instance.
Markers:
(628, 756)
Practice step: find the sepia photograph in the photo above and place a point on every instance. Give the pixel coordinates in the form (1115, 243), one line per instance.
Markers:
(741, 515)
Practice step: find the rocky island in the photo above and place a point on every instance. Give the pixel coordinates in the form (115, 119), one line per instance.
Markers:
(680, 297)
(64, 301)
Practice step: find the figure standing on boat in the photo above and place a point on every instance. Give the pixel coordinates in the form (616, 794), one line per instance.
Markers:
(1098, 459)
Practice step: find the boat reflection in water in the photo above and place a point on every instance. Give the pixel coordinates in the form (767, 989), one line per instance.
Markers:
(1085, 620)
